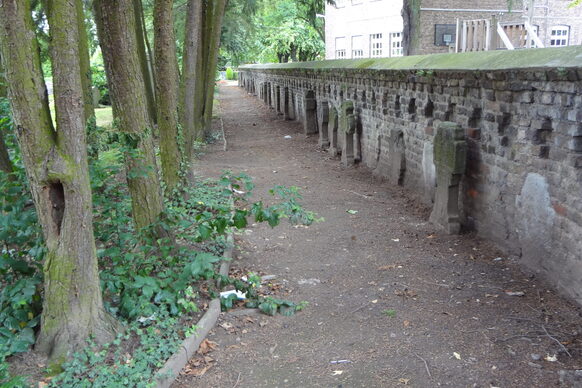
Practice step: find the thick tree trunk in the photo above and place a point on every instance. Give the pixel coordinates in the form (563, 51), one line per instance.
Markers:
(116, 28)
(190, 77)
(167, 92)
(56, 165)
(145, 57)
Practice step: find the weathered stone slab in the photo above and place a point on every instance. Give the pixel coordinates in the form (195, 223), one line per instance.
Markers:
(332, 127)
(285, 102)
(347, 129)
(396, 157)
(323, 121)
(309, 113)
(450, 153)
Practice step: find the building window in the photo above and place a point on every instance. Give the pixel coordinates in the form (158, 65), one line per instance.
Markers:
(340, 3)
(357, 46)
(340, 48)
(559, 36)
(445, 34)
(396, 44)
(376, 45)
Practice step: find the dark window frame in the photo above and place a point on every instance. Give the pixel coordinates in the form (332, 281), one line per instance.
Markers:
(440, 30)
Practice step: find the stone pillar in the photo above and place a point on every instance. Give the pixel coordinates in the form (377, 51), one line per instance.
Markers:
(347, 129)
(309, 113)
(285, 102)
(292, 115)
(269, 95)
(396, 157)
(322, 121)
(450, 150)
(332, 127)
(277, 91)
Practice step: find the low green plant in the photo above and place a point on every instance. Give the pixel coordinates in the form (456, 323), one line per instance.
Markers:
(111, 366)
(229, 74)
(6, 379)
(21, 252)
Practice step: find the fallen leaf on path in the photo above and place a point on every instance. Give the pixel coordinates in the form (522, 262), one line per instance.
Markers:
(396, 239)
(403, 381)
(406, 323)
(457, 355)
(207, 346)
(337, 372)
(226, 325)
(515, 293)
(552, 358)
(352, 211)
(386, 267)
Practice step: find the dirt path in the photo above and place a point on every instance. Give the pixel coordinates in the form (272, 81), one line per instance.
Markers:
(403, 303)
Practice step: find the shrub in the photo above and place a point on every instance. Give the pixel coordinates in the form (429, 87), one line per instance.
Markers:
(229, 74)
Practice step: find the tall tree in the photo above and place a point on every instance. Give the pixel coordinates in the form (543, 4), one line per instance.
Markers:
(145, 57)
(116, 29)
(201, 47)
(89, 111)
(211, 43)
(56, 165)
(190, 75)
(5, 163)
(167, 92)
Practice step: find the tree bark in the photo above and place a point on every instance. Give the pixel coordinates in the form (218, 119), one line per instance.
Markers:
(145, 57)
(5, 163)
(190, 77)
(213, 29)
(202, 39)
(167, 92)
(85, 63)
(116, 28)
(56, 165)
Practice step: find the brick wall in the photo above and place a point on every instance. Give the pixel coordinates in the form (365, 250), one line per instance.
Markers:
(429, 18)
(523, 184)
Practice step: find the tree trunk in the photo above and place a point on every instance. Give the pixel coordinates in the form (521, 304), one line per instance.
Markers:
(203, 28)
(3, 86)
(116, 26)
(213, 29)
(5, 163)
(88, 109)
(56, 165)
(145, 58)
(190, 77)
(167, 92)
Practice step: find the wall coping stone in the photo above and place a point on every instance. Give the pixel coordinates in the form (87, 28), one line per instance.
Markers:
(556, 57)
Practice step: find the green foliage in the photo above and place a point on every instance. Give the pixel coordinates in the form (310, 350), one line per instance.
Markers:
(6, 380)
(21, 253)
(100, 82)
(389, 313)
(229, 74)
(109, 366)
(272, 31)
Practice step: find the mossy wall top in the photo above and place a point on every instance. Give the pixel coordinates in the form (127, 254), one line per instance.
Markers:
(561, 57)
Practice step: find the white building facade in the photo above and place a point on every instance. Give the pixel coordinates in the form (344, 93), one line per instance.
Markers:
(363, 29)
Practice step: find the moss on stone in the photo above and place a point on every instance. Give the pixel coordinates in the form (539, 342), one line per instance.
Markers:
(562, 57)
